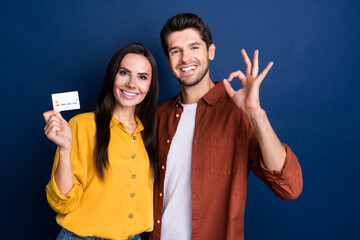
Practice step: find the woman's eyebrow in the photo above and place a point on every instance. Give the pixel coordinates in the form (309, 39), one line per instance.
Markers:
(124, 68)
(144, 73)
(127, 70)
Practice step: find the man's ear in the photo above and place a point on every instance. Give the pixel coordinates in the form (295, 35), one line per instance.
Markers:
(212, 51)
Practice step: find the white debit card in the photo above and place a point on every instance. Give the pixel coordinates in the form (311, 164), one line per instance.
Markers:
(66, 101)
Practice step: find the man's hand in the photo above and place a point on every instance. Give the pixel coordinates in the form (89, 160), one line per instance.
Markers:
(247, 98)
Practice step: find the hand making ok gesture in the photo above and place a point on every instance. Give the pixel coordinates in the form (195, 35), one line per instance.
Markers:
(247, 98)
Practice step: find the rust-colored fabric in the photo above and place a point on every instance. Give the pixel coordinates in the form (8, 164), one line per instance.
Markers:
(225, 148)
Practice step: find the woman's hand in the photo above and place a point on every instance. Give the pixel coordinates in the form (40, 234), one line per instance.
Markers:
(57, 129)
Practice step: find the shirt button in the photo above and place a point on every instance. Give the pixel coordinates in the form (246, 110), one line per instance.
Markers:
(162, 167)
(158, 221)
(132, 194)
(131, 216)
(133, 155)
(133, 176)
(160, 194)
(134, 137)
(177, 115)
(168, 141)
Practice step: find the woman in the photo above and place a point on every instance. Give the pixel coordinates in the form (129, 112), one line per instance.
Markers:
(102, 179)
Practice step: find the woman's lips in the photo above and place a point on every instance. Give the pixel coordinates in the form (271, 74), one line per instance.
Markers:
(128, 94)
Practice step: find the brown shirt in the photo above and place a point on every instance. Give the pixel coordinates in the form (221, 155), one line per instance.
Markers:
(224, 150)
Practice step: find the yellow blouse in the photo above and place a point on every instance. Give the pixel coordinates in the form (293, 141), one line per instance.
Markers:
(117, 208)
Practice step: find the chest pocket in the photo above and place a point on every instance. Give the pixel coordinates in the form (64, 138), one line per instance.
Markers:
(224, 155)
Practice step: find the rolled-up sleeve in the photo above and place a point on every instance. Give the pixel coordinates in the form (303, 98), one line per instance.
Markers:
(66, 203)
(286, 184)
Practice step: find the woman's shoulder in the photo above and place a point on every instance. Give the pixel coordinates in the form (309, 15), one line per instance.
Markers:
(89, 116)
(83, 120)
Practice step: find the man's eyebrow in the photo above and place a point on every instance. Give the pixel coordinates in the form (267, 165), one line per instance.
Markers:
(194, 43)
(190, 44)
(175, 47)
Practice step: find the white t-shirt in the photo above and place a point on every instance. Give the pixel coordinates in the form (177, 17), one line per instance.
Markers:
(176, 219)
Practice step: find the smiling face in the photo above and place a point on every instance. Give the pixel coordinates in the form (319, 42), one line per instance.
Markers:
(189, 57)
(132, 81)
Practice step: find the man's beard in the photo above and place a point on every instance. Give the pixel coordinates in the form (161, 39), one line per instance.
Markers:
(197, 80)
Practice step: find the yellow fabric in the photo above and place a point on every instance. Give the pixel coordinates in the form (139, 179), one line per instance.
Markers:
(120, 206)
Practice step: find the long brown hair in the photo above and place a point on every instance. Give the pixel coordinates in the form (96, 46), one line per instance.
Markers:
(145, 110)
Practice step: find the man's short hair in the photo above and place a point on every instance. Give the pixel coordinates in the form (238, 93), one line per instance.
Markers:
(181, 22)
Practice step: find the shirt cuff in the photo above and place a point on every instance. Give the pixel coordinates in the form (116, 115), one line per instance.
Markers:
(288, 169)
(63, 203)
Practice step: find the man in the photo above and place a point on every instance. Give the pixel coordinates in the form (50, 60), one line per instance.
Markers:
(209, 137)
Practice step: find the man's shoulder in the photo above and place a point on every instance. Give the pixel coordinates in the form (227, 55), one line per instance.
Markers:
(165, 106)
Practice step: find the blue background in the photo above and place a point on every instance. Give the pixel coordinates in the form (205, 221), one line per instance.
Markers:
(310, 95)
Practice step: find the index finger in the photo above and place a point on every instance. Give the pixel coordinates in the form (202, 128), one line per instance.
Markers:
(48, 114)
(235, 74)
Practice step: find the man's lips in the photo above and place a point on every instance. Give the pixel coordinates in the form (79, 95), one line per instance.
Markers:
(187, 68)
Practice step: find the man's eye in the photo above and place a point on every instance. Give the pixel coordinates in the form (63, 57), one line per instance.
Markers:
(175, 52)
(195, 47)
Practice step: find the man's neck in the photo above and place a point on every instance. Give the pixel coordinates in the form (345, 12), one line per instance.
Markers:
(194, 93)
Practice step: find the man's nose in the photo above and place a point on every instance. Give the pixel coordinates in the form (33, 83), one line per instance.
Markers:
(186, 56)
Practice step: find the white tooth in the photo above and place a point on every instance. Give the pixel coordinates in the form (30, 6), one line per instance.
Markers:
(129, 94)
(188, 69)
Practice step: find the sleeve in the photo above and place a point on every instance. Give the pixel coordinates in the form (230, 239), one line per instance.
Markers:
(286, 184)
(64, 204)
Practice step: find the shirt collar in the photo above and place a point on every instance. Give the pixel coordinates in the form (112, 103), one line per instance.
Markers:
(210, 97)
(213, 96)
(116, 122)
(177, 100)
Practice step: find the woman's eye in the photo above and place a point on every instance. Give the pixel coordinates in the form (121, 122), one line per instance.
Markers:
(123, 73)
(143, 77)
